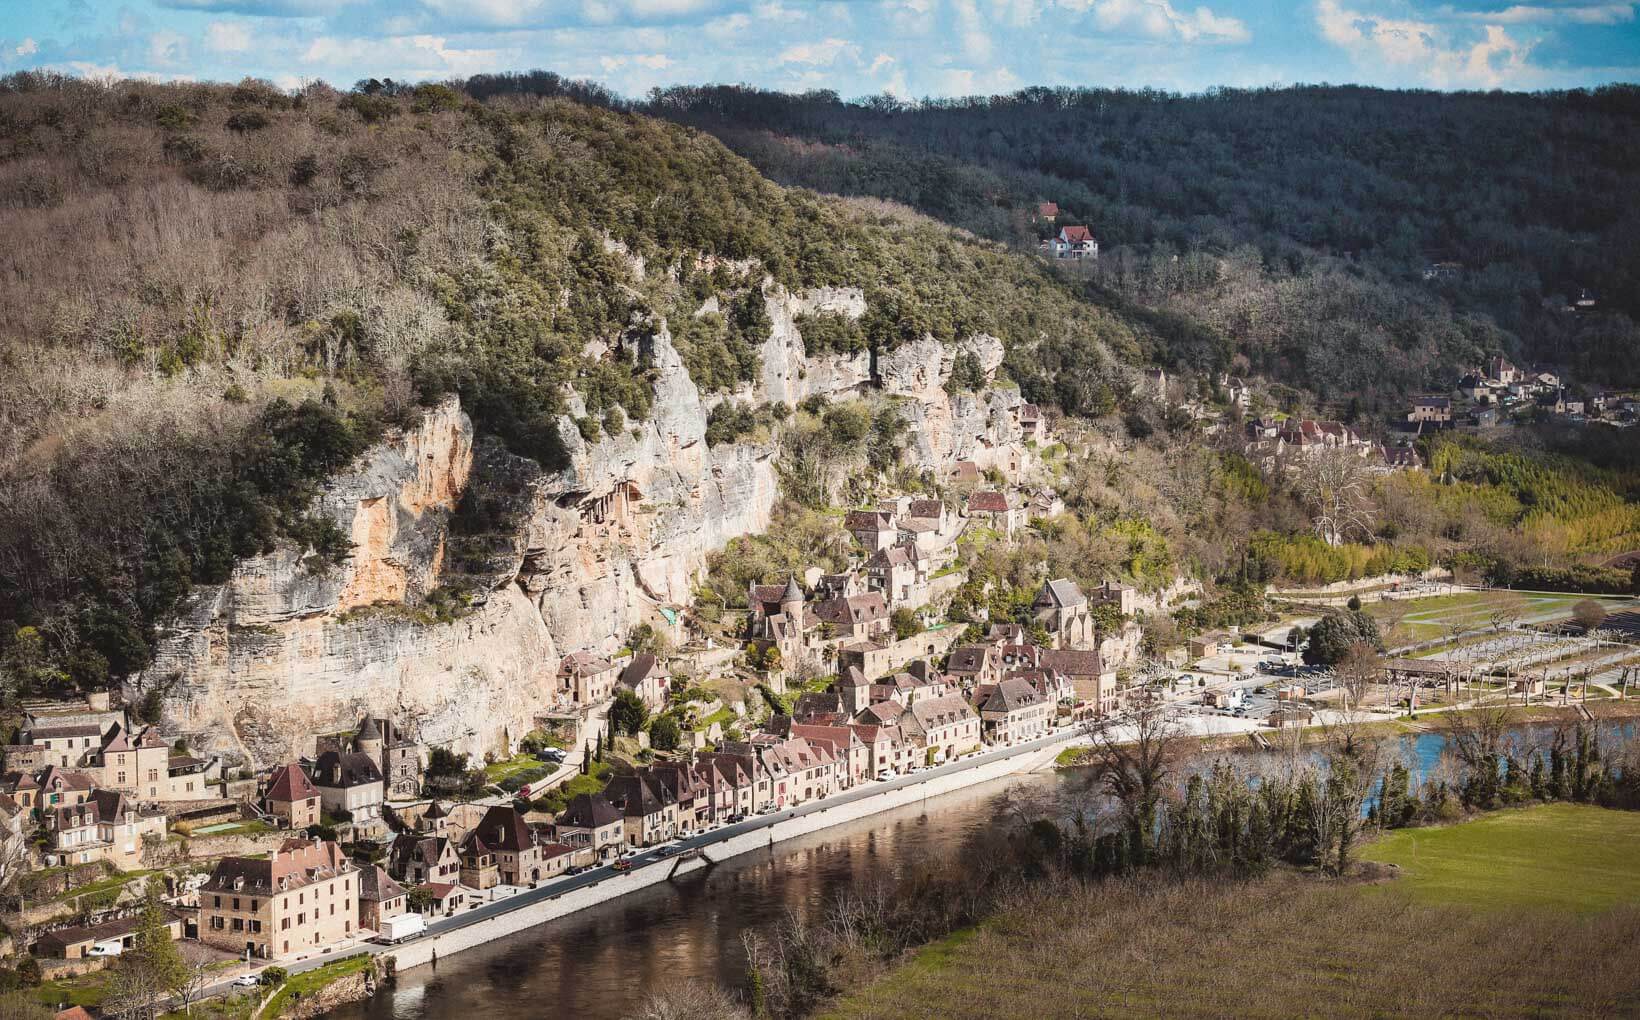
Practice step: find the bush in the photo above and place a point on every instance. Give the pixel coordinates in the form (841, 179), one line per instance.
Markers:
(664, 733)
(1333, 635)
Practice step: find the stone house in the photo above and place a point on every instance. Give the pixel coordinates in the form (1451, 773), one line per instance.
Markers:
(874, 529)
(379, 897)
(1124, 597)
(648, 678)
(62, 786)
(587, 679)
(886, 747)
(292, 798)
(350, 786)
(850, 753)
(417, 859)
(943, 727)
(480, 868)
(590, 822)
(1032, 425)
(928, 511)
(1062, 610)
(303, 896)
(993, 510)
(860, 617)
(971, 665)
(1012, 711)
(444, 899)
(648, 809)
(517, 853)
(68, 745)
(1091, 680)
(106, 826)
(898, 573)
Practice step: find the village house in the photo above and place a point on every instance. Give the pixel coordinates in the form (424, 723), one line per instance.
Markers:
(587, 679)
(443, 899)
(647, 677)
(802, 770)
(303, 896)
(1402, 458)
(648, 809)
(517, 854)
(1062, 610)
(899, 573)
(379, 898)
(292, 798)
(591, 824)
(106, 826)
(350, 786)
(1046, 212)
(972, 665)
(963, 472)
(931, 512)
(1430, 410)
(846, 748)
(57, 787)
(1032, 426)
(993, 510)
(1125, 597)
(418, 858)
(480, 868)
(860, 617)
(68, 746)
(886, 748)
(874, 529)
(1502, 371)
(944, 727)
(1012, 711)
(1090, 678)
(1073, 242)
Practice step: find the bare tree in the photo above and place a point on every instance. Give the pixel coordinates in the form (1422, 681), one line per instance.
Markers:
(1137, 771)
(1360, 668)
(1589, 615)
(1333, 486)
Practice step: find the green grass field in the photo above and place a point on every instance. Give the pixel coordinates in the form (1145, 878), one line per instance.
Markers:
(1556, 856)
(1522, 913)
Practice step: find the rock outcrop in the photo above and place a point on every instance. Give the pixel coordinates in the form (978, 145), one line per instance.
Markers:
(255, 668)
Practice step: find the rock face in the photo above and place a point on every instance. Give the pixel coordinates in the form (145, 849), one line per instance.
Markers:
(255, 668)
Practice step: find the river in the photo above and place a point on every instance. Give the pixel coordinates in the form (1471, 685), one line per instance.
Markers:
(602, 962)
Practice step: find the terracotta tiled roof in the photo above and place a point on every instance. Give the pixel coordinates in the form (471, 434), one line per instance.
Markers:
(988, 502)
(291, 784)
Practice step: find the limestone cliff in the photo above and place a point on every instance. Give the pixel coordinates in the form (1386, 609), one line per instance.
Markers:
(254, 668)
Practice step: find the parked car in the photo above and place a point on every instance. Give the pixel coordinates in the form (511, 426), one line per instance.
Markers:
(622, 865)
(247, 981)
(885, 775)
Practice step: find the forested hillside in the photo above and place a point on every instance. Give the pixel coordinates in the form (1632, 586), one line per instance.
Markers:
(1282, 231)
(216, 296)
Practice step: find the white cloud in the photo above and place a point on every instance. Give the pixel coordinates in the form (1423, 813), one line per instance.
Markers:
(976, 38)
(727, 27)
(1525, 14)
(412, 56)
(1427, 51)
(1159, 19)
(167, 47)
(27, 48)
(227, 37)
(822, 53)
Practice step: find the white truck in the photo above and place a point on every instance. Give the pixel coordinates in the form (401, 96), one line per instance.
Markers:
(401, 928)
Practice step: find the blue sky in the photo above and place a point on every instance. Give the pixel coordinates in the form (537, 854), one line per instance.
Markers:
(911, 48)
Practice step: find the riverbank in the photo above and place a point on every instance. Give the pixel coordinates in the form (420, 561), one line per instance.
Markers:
(1604, 710)
(1291, 944)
